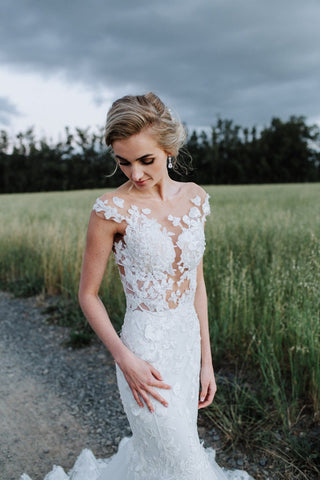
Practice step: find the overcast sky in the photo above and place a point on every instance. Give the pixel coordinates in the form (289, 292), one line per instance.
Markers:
(63, 62)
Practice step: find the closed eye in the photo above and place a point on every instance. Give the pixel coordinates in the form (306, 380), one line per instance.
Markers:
(147, 162)
(144, 162)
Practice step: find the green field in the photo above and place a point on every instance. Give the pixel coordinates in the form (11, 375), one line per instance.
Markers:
(262, 270)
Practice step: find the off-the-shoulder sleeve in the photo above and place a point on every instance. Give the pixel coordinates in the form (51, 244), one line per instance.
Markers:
(110, 212)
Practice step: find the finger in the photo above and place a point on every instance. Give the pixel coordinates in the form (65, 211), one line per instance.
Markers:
(204, 404)
(203, 394)
(206, 400)
(160, 385)
(157, 397)
(146, 398)
(210, 397)
(156, 373)
(137, 398)
(213, 389)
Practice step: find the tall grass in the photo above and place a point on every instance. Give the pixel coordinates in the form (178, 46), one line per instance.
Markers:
(262, 269)
(263, 277)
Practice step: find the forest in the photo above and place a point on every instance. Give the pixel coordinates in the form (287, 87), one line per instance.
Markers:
(282, 152)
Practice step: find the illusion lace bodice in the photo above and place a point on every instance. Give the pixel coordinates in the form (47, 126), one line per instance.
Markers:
(157, 257)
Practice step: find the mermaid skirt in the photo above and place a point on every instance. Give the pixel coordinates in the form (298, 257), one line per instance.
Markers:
(164, 444)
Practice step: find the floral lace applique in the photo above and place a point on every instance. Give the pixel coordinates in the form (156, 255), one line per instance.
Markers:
(157, 264)
(108, 211)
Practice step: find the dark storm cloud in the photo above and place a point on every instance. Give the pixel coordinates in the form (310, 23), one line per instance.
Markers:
(245, 60)
(7, 111)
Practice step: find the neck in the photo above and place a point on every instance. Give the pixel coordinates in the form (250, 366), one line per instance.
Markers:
(163, 190)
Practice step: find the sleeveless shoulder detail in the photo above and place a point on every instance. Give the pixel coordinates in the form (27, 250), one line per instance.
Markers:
(110, 212)
(206, 206)
(202, 207)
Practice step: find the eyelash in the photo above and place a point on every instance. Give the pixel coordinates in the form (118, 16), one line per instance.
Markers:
(126, 164)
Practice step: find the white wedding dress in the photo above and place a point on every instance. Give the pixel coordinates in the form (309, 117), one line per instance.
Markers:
(158, 258)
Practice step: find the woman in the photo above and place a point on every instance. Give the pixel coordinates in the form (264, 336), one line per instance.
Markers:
(155, 227)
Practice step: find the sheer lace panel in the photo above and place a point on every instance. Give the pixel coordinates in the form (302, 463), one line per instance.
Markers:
(158, 255)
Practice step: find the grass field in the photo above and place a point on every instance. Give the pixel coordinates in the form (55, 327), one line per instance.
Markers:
(262, 270)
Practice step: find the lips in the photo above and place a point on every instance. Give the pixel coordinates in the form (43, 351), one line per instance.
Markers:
(141, 182)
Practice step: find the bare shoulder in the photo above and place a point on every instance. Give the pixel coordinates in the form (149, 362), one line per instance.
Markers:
(192, 190)
(109, 195)
(121, 193)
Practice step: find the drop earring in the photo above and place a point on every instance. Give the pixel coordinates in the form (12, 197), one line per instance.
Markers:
(170, 162)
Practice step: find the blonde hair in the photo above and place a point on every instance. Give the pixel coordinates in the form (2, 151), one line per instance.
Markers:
(131, 114)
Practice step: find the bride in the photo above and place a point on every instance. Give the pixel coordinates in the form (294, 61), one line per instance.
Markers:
(155, 228)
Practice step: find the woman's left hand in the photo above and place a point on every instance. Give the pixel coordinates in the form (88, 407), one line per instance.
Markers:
(208, 386)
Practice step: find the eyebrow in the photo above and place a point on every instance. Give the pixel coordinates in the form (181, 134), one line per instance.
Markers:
(140, 158)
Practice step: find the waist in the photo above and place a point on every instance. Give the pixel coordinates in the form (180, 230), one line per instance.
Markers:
(186, 306)
(146, 325)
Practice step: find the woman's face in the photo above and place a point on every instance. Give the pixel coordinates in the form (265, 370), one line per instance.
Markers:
(141, 159)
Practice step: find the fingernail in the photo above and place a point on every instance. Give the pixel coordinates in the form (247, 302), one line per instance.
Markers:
(202, 399)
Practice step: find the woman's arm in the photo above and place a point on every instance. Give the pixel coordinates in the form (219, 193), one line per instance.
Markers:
(140, 375)
(208, 383)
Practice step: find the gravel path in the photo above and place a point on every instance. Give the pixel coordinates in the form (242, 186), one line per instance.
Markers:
(55, 401)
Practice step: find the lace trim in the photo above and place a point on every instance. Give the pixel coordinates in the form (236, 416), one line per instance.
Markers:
(111, 213)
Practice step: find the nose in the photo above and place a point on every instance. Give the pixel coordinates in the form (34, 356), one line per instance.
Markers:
(136, 172)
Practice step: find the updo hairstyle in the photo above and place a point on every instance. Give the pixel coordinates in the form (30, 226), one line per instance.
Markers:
(131, 114)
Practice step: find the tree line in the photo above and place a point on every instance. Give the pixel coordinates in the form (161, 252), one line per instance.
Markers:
(284, 151)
